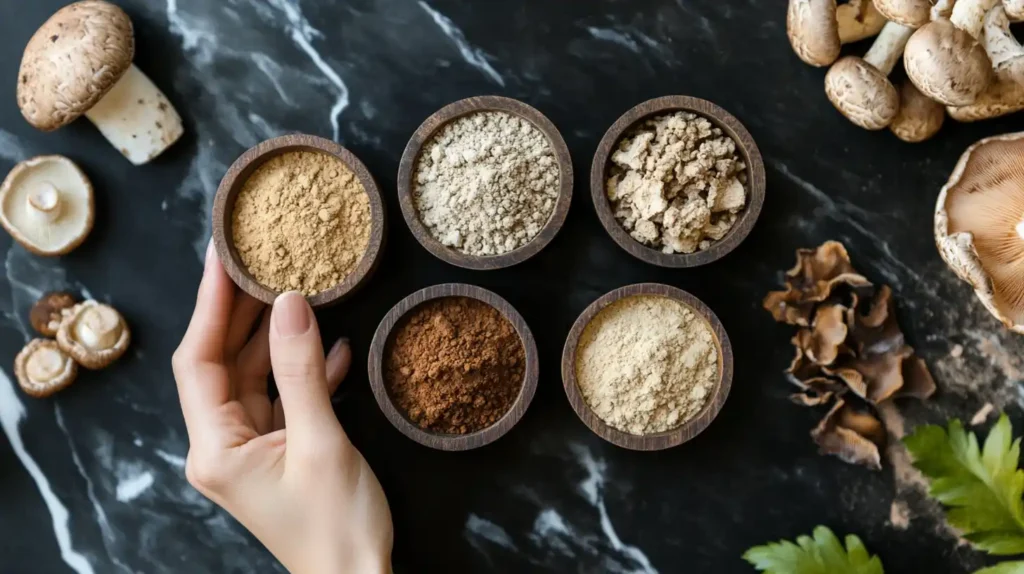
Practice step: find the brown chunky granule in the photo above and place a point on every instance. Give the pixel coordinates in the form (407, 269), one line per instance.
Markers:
(454, 365)
(302, 222)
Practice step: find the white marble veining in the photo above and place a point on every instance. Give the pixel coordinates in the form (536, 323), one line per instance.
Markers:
(472, 55)
(133, 485)
(11, 148)
(615, 37)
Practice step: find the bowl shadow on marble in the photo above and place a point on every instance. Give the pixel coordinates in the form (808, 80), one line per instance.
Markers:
(730, 126)
(661, 440)
(444, 441)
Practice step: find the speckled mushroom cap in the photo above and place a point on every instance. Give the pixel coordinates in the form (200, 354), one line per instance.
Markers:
(862, 93)
(72, 61)
(978, 225)
(911, 13)
(813, 31)
(947, 64)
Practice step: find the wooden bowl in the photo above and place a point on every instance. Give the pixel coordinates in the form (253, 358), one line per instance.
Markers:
(662, 440)
(721, 119)
(452, 441)
(425, 133)
(235, 178)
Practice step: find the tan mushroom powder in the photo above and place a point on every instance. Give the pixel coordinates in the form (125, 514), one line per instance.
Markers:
(647, 364)
(301, 222)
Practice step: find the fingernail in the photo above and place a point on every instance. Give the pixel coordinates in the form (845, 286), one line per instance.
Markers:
(338, 346)
(291, 314)
(209, 253)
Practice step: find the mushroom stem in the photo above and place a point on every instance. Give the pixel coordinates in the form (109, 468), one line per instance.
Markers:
(1020, 230)
(1002, 47)
(136, 118)
(98, 328)
(968, 15)
(888, 47)
(44, 202)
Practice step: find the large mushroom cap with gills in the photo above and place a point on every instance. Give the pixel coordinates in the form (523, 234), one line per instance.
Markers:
(947, 64)
(979, 224)
(862, 93)
(46, 204)
(72, 61)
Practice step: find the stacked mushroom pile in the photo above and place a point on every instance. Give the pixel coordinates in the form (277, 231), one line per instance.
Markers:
(960, 58)
(850, 351)
(89, 334)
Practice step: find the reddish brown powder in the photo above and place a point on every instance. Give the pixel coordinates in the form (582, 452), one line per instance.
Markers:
(454, 365)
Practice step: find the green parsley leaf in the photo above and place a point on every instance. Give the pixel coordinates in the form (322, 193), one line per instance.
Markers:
(822, 554)
(981, 488)
(1003, 568)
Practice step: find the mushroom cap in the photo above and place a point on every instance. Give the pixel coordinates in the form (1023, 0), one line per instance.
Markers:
(38, 182)
(72, 61)
(947, 64)
(919, 118)
(46, 314)
(42, 368)
(862, 93)
(1001, 97)
(93, 334)
(813, 31)
(978, 227)
(910, 13)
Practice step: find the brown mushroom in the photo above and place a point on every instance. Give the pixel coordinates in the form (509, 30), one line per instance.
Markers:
(47, 313)
(1014, 9)
(818, 28)
(93, 334)
(910, 13)
(919, 117)
(1003, 49)
(42, 368)
(816, 273)
(80, 62)
(979, 225)
(944, 58)
(860, 88)
(46, 204)
(853, 436)
(1000, 98)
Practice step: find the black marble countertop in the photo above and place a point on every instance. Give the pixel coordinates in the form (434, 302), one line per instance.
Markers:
(92, 480)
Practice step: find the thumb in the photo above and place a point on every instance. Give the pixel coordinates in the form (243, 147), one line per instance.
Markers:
(297, 359)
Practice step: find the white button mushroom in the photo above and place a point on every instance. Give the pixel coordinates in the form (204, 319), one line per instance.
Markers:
(80, 62)
(46, 204)
(944, 58)
(818, 28)
(1005, 94)
(94, 334)
(42, 368)
(910, 13)
(919, 118)
(860, 88)
(978, 225)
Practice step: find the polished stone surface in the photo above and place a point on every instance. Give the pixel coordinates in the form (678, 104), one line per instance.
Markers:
(92, 481)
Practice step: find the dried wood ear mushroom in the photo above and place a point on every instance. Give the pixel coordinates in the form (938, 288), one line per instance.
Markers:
(850, 351)
(94, 334)
(979, 225)
(42, 368)
(47, 313)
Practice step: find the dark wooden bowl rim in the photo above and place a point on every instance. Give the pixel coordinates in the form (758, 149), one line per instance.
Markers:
(426, 132)
(662, 440)
(452, 442)
(720, 118)
(235, 178)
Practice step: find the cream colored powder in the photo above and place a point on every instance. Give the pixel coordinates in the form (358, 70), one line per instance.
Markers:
(486, 184)
(301, 221)
(647, 364)
(677, 183)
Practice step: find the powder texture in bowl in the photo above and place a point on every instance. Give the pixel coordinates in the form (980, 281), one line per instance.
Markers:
(301, 221)
(486, 183)
(677, 183)
(454, 365)
(646, 364)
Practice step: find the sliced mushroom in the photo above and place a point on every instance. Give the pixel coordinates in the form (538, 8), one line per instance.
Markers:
(42, 368)
(47, 313)
(979, 225)
(94, 334)
(818, 28)
(919, 118)
(910, 13)
(944, 58)
(80, 62)
(860, 88)
(46, 204)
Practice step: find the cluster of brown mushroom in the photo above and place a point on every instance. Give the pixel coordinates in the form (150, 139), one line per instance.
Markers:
(960, 57)
(850, 351)
(89, 334)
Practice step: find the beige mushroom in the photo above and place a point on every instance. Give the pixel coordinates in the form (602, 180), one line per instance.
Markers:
(93, 334)
(860, 88)
(1003, 49)
(80, 62)
(46, 314)
(46, 204)
(944, 58)
(42, 368)
(979, 225)
(919, 118)
(1000, 98)
(818, 28)
(910, 13)
(1014, 9)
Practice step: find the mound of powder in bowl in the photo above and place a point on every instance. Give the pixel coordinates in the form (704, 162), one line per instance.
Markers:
(646, 364)
(677, 183)
(301, 221)
(486, 183)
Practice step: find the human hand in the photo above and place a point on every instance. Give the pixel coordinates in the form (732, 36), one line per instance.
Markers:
(302, 489)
